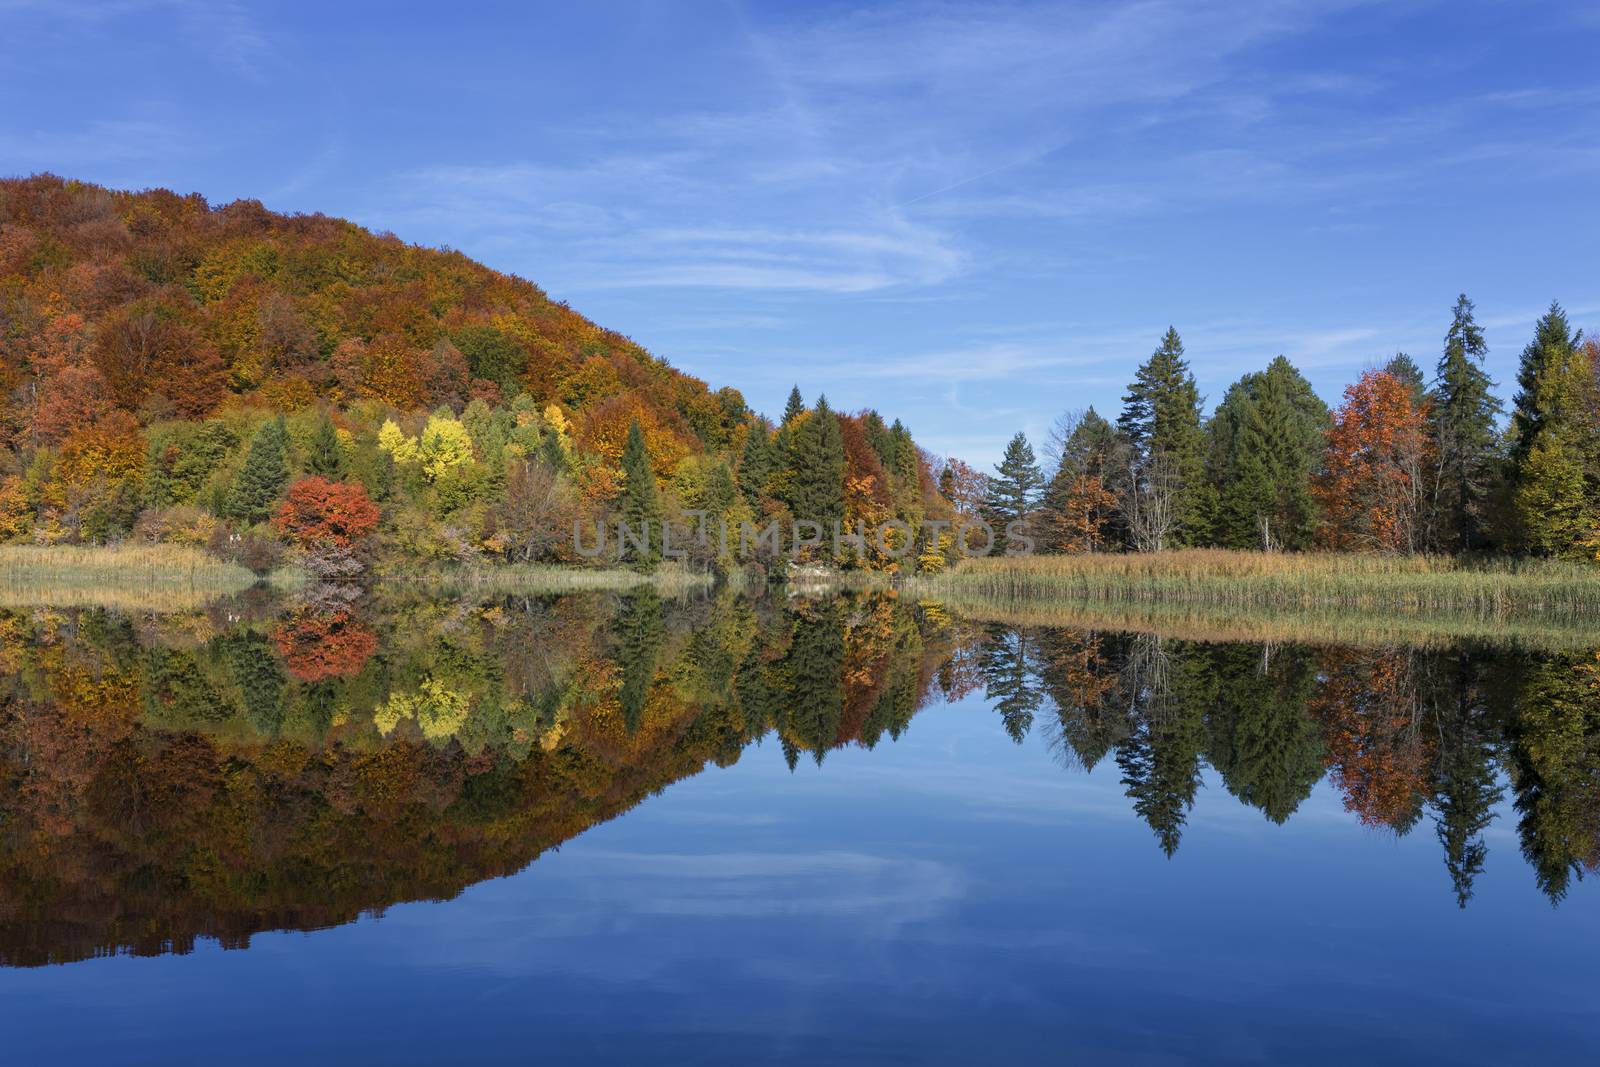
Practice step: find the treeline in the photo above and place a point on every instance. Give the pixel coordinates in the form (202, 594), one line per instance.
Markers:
(1403, 464)
(230, 377)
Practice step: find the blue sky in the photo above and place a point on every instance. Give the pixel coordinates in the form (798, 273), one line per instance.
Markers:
(970, 215)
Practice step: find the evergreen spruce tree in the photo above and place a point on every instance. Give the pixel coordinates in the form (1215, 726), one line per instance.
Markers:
(1013, 491)
(1265, 440)
(1554, 343)
(1463, 411)
(1160, 420)
(324, 458)
(1077, 506)
(1556, 445)
(755, 463)
(795, 406)
(1404, 369)
(877, 435)
(639, 503)
(264, 475)
(814, 468)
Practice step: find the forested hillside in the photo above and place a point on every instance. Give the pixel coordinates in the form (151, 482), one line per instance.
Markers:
(170, 369)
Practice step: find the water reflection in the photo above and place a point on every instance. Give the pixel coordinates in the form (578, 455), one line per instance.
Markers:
(164, 778)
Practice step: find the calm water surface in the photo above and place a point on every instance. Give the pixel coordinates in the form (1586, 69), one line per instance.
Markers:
(623, 830)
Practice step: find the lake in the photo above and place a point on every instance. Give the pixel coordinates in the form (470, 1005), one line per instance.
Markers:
(724, 829)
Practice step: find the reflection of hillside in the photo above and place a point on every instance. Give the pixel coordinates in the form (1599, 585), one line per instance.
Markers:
(206, 781)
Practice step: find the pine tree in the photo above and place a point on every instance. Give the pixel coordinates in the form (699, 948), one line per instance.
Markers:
(637, 635)
(323, 457)
(1407, 373)
(1266, 438)
(1556, 447)
(814, 467)
(755, 463)
(639, 503)
(1463, 415)
(1553, 343)
(1013, 491)
(264, 475)
(795, 406)
(1160, 420)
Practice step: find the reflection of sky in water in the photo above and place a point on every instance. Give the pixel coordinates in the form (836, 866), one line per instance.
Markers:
(947, 897)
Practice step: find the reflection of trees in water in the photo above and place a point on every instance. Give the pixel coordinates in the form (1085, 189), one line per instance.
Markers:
(1401, 733)
(163, 781)
(173, 777)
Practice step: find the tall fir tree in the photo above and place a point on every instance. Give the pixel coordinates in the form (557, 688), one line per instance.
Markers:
(1160, 420)
(1556, 442)
(1407, 373)
(814, 467)
(639, 504)
(324, 458)
(795, 406)
(1013, 492)
(1265, 440)
(265, 473)
(755, 463)
(1463, 413)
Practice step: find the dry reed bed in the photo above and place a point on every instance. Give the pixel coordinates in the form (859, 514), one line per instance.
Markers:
(1248, 580)
(128, 577)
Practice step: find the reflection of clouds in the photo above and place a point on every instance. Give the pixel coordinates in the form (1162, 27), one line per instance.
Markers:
(892, 890)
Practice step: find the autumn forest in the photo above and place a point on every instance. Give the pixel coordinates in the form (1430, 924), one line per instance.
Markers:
(296, 391)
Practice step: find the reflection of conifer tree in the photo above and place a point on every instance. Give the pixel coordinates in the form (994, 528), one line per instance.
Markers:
(260, 678)
(1263, 740)
(814, 675)
(759, 698)
(1161, 761)
(1081, 672)
(636, 638)
(1465, 790)
(1011, 678)
(177, 693)
(1555, 753)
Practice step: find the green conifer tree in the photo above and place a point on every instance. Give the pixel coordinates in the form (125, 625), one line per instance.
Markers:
(264, 475)
(1463, 413)
(814, 468)
(1265, 440)
(1556, 443)
(1012, 494)
(324, 458)
(1161, 422)
(755, 463)
(639, 504)
(794, 407)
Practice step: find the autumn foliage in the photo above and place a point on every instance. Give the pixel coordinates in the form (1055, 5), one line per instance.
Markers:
(317, 512)
(1371, 491)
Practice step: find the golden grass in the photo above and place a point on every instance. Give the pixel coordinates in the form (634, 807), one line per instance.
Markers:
(127, 577)
(1217, 577)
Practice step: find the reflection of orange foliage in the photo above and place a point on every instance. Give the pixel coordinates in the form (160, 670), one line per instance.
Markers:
(1378, 755)
(316, 647)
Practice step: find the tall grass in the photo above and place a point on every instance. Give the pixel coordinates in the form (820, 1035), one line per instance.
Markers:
(129, 577)
(1244, 581)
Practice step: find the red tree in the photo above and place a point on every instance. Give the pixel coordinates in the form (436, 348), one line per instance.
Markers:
(321, 513)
